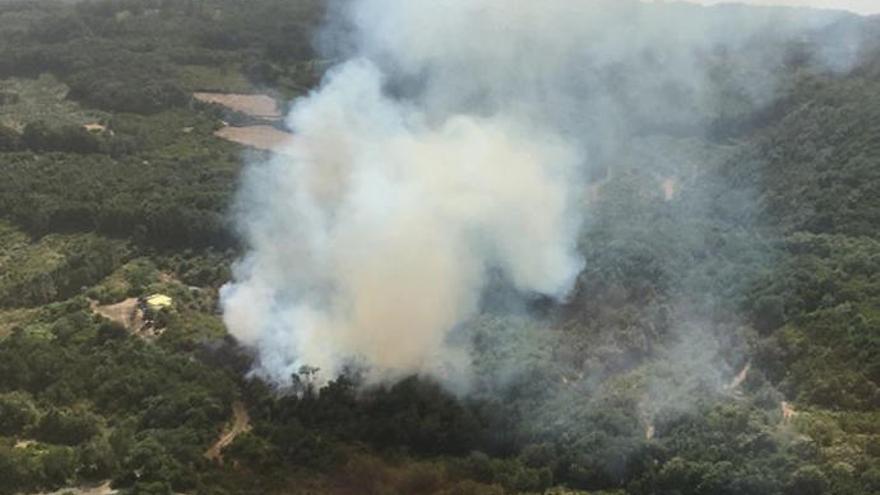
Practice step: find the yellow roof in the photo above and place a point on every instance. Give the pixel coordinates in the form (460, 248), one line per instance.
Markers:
(159, 301)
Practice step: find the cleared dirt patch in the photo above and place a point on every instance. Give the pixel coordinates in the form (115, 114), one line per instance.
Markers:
(241, 423)
(125, 313)
(130, 315)
(95, 127)
(260, 106)
(261, 137)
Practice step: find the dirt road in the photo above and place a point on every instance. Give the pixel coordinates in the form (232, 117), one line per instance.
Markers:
(241, 423)
(740, 377)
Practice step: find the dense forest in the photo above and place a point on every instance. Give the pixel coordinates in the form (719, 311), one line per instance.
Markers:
(724, 337)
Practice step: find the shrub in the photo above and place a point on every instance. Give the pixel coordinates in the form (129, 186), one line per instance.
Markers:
(10, 139)
(807, 480)
(39, 136)
(66, 427)
(17, 413)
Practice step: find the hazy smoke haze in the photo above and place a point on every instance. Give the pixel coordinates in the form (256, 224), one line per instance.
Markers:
(864, 7)
(454, 141)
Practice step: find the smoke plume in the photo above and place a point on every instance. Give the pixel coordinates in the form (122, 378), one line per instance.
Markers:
(454, 141)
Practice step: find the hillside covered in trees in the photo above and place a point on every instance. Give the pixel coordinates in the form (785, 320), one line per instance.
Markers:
(723, 337)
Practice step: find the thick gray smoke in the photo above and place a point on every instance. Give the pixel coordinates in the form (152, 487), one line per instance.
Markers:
(454, 140)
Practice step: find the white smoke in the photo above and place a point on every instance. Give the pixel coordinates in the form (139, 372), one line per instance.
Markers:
(863, 7)
(452, 141)
(372, 240)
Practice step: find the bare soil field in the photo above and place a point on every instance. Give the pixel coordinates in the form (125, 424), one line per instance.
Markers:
(261, 137)
(260, 106)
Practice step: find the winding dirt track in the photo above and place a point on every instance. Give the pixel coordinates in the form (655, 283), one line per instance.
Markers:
(740, 377)
(241, 423)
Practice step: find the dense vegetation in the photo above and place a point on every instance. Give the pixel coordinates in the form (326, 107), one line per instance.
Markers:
(765, 258)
